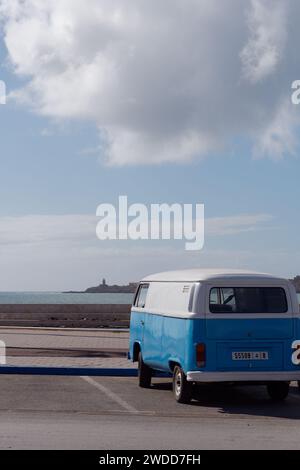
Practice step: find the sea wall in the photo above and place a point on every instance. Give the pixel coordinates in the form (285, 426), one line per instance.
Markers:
(65, 316)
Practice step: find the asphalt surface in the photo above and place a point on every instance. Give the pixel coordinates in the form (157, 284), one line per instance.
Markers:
(113, 413)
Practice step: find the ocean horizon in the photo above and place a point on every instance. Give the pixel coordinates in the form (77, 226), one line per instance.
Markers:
(67, 298)
(64, 298)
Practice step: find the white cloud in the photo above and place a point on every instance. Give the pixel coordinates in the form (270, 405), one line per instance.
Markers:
(70, 229)
(61, 252)
(267, 24)
(162, 81)
(39, 229)
(279, 137)
(237, 224)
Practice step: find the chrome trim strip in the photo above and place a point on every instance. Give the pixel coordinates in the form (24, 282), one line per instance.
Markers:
(240, 376)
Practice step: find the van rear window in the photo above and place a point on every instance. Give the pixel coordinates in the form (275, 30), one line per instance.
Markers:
(248, 300)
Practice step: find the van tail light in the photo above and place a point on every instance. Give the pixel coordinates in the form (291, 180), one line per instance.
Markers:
(200, 355)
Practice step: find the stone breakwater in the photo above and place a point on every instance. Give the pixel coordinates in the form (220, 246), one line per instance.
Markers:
(65, 316)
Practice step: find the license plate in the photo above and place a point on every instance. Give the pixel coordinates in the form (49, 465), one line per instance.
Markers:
(250, 356)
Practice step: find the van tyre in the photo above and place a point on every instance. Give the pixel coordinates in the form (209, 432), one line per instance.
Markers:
(278, 391)
(144, 373)
(182, 389)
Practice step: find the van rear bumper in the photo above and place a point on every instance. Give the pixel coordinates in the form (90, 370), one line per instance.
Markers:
(251, 376)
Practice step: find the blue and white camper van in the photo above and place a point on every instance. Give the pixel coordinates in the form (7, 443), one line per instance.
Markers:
(216, 326)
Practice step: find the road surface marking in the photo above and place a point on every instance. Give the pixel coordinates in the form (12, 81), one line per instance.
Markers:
(113, 396)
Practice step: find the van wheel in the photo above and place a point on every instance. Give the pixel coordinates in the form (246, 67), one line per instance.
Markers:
(144, 373)
(278, 391)
(182, 389)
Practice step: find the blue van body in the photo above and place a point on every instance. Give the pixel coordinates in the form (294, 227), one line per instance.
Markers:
(235, 347)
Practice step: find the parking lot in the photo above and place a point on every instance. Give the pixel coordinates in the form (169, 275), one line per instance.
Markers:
(113, 413)
(48, 412)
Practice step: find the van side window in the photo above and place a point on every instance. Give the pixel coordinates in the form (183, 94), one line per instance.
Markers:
(214, 297)
(222, 300)
(191, 300)
(228, 298)
(140, 300)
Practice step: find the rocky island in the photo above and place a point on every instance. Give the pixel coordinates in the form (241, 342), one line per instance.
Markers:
(104, 288)
(296, 282)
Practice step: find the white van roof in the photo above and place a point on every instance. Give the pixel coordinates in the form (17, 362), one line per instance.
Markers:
(197, 275)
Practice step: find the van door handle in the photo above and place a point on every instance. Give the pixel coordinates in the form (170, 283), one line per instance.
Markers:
(142, 322)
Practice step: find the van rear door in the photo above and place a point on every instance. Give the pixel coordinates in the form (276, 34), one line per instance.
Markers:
(249, 325)
(255, 312)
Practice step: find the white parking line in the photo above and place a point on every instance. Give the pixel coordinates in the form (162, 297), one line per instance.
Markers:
(113, 396)
(294, 392)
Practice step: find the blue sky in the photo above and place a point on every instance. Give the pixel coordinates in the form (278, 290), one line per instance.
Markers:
(53, 166)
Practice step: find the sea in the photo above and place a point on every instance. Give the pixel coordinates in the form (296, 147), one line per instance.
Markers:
(61, 298)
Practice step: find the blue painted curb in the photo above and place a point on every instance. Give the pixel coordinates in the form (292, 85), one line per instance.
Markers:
(67, 371)
(73, 371)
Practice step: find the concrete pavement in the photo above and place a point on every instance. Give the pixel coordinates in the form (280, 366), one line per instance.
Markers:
(113, 413)
(66, 347)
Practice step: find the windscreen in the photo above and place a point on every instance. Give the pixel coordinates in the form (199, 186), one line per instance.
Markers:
(248, 300)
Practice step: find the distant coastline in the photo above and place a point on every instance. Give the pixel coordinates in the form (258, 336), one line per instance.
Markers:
(130, 288)
(104, 288)
(296, 282)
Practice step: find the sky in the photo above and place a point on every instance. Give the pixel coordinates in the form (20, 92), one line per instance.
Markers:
(180, 101)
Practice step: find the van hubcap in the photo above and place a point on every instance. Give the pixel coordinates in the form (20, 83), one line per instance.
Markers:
(178, 383)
